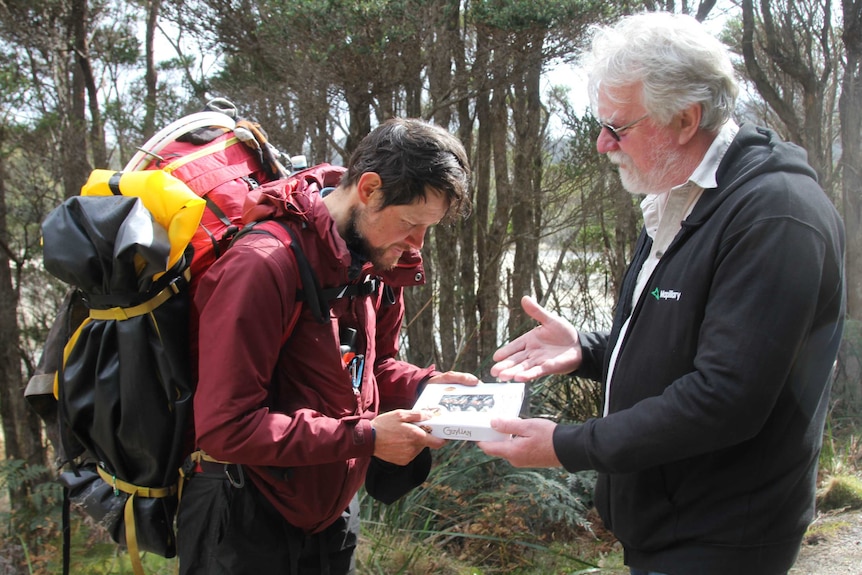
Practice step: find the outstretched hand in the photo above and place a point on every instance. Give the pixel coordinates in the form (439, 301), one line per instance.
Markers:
(551, 347)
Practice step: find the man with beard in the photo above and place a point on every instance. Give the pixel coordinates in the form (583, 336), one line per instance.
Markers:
(716, 369)
(292, 410)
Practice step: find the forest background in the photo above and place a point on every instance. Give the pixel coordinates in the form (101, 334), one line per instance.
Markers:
(83, 82)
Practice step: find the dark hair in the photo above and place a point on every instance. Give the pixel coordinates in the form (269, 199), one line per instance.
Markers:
(412, 157)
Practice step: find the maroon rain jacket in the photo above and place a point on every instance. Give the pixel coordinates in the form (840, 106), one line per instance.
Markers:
(274, 393)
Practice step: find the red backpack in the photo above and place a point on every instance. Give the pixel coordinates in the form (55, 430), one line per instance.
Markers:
(220, 159)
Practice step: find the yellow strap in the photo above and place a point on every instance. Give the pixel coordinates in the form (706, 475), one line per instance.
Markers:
(132, 489)
(205, 151)
(132, 537)
(180, 485)
(67, 351)
(201, 455)
(119, 314)
(124, 313)
(197, 457)
(129, 511)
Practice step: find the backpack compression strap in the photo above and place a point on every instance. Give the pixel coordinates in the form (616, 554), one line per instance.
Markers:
(129, 510)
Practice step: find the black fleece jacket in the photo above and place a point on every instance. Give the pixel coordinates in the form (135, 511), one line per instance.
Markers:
(708, 457)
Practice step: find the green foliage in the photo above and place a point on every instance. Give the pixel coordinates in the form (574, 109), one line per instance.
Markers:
(117, 44)
(475, 516)
(472, 506)
(30, 531)
(555, 497)
(13, 82)
(92, 552)
(42, 496)
(28, 526)
(840, 467)
(523, 15)
(340, 29)
(384, 551)
(841, 453)
(16, 476)
(566, 399)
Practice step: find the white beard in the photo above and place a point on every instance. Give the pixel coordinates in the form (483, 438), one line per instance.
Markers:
(660, 179)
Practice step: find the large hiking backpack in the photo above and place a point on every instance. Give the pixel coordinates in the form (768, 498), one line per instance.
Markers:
(132, 246)
(220, 159)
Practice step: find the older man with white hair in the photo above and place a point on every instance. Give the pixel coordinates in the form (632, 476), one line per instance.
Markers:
(717, 366)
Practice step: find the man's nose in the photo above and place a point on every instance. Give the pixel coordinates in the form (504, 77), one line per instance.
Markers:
(416, 239)
(606, 143)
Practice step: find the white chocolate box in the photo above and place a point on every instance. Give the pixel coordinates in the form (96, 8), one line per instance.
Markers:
(465, 412)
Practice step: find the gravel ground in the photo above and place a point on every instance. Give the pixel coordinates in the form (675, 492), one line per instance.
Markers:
(833, 546)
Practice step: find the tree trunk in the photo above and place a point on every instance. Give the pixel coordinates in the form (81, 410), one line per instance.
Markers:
(419, 317)
(791, 72)
(527, 158)
(850, 110)
(359, 111)
(150, 74)
(445, 236)
(487, 253)
(468, 355)
(76, 166)
(21, 426)
(80, 26)
(497, 233)
(848, 385)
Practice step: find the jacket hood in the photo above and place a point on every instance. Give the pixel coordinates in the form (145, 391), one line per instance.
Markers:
(755, 151)
(298, 198)
(760, 150)
(294, 197)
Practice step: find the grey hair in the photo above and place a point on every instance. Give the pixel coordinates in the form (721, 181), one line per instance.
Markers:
(674, 58)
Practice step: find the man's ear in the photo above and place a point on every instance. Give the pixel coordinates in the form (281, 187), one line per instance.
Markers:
(369, 183)
(688, 123)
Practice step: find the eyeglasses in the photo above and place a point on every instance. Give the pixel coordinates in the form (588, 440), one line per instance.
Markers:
(616, 133)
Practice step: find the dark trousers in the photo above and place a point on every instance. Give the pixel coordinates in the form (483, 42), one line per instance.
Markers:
(228, 530)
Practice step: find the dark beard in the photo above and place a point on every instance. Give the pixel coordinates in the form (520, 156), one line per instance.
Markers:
(357, 244)
(360, 250)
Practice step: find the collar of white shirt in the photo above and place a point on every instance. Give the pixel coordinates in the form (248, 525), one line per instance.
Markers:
(703, 177)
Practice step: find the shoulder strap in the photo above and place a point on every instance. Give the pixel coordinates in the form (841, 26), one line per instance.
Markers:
(311, 288)
(323, 296)
(316, 297)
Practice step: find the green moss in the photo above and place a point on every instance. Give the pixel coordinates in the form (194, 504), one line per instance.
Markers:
(821, 531)
(841, 492)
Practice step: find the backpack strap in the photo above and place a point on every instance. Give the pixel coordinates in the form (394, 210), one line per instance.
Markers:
(311, 287)
(129, 510)
(316, 297)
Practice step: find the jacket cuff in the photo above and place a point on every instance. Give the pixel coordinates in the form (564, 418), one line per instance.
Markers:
(424, 381)
(388, 482)
(592, 354)
(363, 437)
(568, 440)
